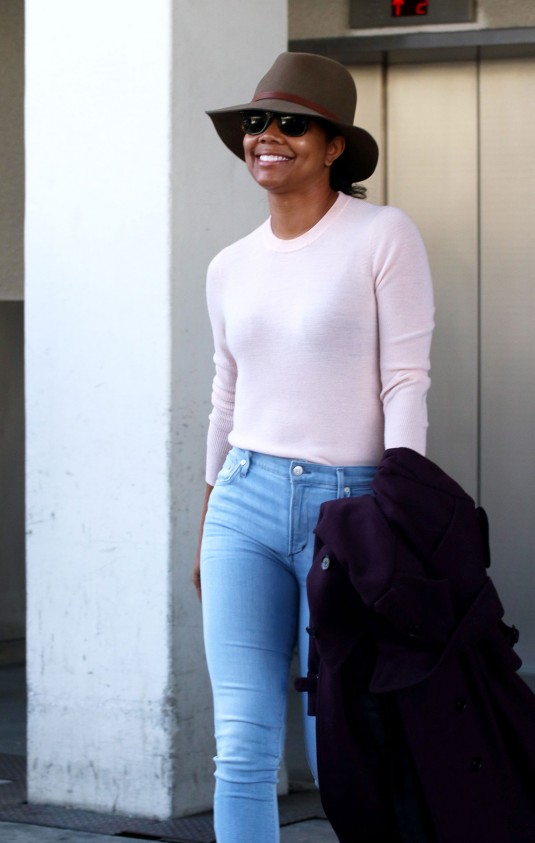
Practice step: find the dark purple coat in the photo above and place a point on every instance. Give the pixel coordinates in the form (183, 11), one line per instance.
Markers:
(422, 722)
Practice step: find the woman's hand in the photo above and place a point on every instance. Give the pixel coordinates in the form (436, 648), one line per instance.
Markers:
(196, 574)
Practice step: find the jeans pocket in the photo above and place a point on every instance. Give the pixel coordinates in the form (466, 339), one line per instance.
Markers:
(230, 468)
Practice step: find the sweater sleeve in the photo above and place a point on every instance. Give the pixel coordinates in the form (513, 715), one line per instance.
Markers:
(405, 318)
(224, 383)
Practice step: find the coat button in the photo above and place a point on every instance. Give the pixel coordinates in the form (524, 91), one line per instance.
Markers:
(413, 630)
(477, 764)
(325, 562)
(461, 704)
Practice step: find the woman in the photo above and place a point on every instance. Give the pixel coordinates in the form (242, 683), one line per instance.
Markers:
(322, 322)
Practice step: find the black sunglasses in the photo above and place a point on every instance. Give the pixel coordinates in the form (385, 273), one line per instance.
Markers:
(256, 122)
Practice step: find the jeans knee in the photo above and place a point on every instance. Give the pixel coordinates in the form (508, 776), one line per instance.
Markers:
(248, 752)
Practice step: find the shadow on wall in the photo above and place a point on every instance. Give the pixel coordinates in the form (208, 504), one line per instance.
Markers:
(12, 532)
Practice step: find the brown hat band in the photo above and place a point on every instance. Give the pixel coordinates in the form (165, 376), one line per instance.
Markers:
(282, 95)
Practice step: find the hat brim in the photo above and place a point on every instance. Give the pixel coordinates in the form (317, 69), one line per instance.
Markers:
(358, 160)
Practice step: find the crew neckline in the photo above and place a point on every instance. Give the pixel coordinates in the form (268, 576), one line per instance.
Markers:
(277, 244)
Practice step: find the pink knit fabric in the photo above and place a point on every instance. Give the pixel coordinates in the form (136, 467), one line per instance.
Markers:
(322, 342)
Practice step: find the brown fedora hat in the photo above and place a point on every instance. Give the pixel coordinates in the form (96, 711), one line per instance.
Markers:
(304, 83)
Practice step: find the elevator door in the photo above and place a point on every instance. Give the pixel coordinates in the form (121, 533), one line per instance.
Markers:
(457, 143)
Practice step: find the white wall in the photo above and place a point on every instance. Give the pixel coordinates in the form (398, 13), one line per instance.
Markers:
(128, 197)
(98, 352)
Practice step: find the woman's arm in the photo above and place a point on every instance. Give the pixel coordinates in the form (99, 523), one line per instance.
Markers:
(405, 314)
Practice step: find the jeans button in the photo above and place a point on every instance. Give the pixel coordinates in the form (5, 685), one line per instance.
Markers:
(297, 470)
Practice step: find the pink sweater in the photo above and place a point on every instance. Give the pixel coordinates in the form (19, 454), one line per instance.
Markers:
(322, 342)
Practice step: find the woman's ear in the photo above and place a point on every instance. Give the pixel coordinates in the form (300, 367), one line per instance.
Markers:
(334, 150)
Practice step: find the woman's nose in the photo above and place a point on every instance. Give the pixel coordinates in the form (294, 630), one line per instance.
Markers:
(272, 131)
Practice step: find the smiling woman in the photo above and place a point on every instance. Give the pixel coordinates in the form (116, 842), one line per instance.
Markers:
(295, 170)
(322, 322)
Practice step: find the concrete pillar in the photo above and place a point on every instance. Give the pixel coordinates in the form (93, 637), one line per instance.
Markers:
(129, 194)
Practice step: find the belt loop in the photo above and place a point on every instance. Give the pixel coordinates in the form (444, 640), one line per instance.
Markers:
(245, 463)
(340, 478)
(343, 490)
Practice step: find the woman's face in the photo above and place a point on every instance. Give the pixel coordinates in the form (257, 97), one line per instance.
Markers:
(282, 164)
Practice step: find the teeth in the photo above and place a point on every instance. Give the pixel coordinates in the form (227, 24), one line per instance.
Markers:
(273, 158)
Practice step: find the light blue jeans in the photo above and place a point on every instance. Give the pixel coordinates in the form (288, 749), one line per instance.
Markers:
(257, 550)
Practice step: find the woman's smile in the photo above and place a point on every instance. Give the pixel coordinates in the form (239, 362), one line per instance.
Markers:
(270, 158)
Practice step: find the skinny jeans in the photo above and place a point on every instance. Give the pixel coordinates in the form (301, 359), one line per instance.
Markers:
(257, 549)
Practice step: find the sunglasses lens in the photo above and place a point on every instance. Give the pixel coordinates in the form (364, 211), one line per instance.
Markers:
(293, 125)
(254, 123)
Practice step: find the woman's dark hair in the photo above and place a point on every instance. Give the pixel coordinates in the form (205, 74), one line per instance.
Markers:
(340, 182)
(339, 179)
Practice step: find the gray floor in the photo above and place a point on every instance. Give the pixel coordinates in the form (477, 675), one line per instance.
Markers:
(16, 833)
(13, 742)
(313, 831)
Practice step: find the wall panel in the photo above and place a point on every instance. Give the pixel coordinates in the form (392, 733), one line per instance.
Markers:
(508, 336)
(12, 530)
(432, 174)
(12, 149)
(370, 116)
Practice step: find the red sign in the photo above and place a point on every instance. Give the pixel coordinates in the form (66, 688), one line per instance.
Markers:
(409, 8)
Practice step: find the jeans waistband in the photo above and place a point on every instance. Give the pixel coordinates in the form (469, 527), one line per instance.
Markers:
(304, 471)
